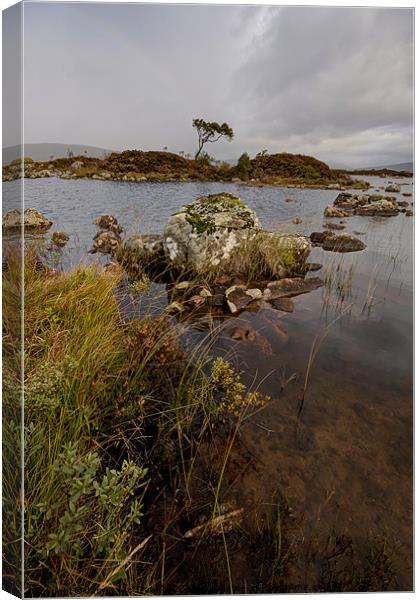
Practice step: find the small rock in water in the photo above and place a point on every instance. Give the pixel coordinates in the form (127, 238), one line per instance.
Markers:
(334, 226)
(342, 242)
(60, 238)
(108, 222)
(333, 211)
(287, 288)
(393, 187)
(407, 194)
(409, 213)
(297, 220)
(402, 203)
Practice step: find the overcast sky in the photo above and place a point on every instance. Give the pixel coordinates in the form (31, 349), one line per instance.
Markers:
(336, 83)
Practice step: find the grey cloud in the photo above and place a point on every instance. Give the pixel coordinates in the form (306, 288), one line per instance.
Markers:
(335, 83)
(330, 73)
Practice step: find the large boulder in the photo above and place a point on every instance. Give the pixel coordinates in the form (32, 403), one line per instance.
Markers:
(32, 220)
(205, 232)
(220, 234)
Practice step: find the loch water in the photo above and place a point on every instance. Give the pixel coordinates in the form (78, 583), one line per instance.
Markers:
(339, 449)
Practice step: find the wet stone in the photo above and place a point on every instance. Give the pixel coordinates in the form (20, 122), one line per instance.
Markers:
(287, 288)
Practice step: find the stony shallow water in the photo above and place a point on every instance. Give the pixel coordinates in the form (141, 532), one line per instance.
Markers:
(341, 454)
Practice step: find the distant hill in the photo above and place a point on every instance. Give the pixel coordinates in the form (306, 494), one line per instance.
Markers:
(44, 152)
(407, 166)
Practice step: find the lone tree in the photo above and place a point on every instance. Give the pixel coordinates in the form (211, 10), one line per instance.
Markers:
(209, 132)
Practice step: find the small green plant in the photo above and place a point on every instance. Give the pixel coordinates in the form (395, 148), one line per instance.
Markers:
(140, 285)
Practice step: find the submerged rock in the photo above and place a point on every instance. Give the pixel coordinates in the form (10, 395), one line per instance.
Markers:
(32, 220)
(342, 242)
(243, 334)
(289, 287)
(284, 304)
(297, 221)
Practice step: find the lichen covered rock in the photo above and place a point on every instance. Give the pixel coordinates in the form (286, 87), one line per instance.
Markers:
(206, 231)
(31, 219)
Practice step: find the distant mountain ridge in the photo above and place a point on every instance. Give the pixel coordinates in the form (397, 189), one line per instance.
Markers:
(44, 152)
(407, 166)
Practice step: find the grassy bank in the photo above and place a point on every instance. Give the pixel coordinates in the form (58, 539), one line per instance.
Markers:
(133, 458)
(119, 427)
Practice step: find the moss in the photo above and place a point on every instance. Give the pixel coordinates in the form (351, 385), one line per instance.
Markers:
(200, 214)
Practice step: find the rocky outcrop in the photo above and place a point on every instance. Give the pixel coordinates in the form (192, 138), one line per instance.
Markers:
(31, 219)
(347, 204)
(220, 234)
(382, 208)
